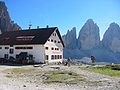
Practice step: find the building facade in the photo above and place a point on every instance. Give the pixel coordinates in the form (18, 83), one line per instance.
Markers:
(44, 45)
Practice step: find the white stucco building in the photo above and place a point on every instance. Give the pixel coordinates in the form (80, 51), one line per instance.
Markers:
(43, 44)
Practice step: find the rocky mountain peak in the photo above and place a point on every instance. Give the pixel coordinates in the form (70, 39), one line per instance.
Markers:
(111, 38)
(88, 43)
(90, 22)
(114, 29)
(89, 36)
(69, 39)
(6, 24)
(114, 25)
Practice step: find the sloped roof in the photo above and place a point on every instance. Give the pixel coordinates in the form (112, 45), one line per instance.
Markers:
(25, 37)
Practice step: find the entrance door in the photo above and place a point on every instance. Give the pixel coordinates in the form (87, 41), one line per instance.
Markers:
(46, 58)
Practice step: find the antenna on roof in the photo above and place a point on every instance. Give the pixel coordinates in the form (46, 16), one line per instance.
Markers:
(30, 25)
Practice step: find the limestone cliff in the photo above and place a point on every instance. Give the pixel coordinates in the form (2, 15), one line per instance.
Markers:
(6, 24)
(89, 37)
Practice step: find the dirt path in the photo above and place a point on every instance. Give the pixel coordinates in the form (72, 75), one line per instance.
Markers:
(94, 81)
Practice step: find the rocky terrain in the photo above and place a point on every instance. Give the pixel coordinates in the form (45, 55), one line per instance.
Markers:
(30, 78)
(6, 24)
(88, 43)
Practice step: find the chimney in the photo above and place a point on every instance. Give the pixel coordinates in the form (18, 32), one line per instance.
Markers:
(37, 27)
(47, 26)
(30, 25)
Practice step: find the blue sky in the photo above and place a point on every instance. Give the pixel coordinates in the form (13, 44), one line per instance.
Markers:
(64, 14)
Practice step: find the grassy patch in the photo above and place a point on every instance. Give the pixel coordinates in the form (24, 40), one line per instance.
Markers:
(14, 71)
(111, 70)
(107, 71)
(19, 70)
(9, 75)
(59, 76)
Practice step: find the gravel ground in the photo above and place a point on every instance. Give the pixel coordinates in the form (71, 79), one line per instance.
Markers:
(30, 81)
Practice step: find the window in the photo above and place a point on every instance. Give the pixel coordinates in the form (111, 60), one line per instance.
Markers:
(58, 41)
(23, 47)
(0, 47)
(48, 39)
(60, 56)
(46, 48)
(54, 34)
(6, 56)
(51, 40)
(47, 57)
(54, 41)
(17, 47)
(30, 57)
(52, 48)
(55, 56)
(17, 56)
(11, 45)
(6, 47)
(11, 51)
(29, 47)
(52, 57)
(56, 48)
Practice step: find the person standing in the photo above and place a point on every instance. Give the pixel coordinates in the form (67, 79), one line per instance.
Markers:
(68, 62)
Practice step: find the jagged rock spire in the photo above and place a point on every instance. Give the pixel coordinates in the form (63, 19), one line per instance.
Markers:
(89, 36)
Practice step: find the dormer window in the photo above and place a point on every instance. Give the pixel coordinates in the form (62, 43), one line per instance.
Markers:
(24, 38)
(5, 39)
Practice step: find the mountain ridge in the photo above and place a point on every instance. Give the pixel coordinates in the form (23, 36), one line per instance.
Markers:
(89, 43)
